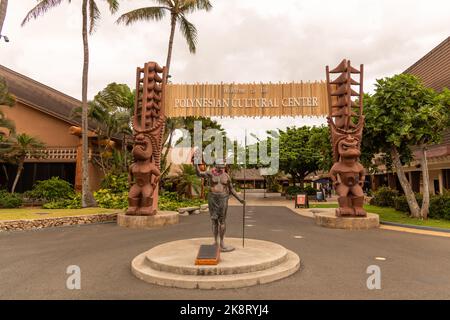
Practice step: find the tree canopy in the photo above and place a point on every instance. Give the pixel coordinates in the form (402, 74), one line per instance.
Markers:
(403, 113)
(304, 150)
(178, 11)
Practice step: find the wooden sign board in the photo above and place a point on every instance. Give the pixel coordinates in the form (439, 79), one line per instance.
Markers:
(301, 201)
(208, 254)
(246, 100)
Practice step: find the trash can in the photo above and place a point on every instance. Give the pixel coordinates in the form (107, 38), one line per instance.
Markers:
(320, 196)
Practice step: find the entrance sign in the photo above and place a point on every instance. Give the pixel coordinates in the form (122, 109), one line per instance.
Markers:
(247, 100)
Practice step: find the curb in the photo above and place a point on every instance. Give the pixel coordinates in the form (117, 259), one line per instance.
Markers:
(410, 226)
(396, 224)
(55, 222)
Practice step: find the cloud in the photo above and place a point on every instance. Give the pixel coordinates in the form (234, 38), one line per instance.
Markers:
(239, 41)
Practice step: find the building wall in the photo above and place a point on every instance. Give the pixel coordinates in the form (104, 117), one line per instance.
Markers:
(50, 130)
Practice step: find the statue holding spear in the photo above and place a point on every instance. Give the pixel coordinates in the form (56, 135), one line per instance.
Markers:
(221, 189)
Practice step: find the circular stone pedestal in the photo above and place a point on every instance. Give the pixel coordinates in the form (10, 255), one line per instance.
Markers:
(172, 264)
(162, 218)
(329, 220)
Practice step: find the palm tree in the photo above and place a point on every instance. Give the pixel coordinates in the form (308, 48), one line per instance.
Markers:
(3, 7)
(112, 109)
(19, 147)
(187, 181)
(6, 99)
(178, 10)
(89, 12)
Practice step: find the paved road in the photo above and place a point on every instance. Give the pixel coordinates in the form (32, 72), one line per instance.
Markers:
(334, 262)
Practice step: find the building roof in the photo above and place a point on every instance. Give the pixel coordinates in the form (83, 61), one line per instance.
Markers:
(436, 150)
(434, 68)
(40, 97)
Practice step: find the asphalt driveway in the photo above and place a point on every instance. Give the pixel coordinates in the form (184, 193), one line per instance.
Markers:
(334, 262)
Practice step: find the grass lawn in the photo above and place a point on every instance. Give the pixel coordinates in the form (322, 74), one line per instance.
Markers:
(39, 213)
(392, 215)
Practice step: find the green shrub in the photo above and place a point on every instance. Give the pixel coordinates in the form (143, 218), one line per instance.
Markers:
(115, 183)
(106, 199)
(53, 189)
(110, 200)
(440, 206)
(384, 197)
(274, 187)
(170, 201)
(400, 203)
(309, 190)
(10, 200)
(293, 190)
(73, 203)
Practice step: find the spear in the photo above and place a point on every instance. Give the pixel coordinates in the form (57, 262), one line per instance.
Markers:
(243, 207)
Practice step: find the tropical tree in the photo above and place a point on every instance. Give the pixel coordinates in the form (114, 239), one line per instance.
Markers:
(172, 124)
(18, 148)
(3, 8)
(402, 114)
(187, 181)
(6, 99)
(178, 9)
(90, 16)
(320, 141)
(111, 111)
(301, 153)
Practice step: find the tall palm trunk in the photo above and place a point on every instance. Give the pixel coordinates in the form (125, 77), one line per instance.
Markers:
(18, 174)
(409, 193)
(3, 7)
(87, 197)
(426, 183)
(173, 23)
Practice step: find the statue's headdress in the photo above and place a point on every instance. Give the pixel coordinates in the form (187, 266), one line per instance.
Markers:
(345, 115)
(149, 117)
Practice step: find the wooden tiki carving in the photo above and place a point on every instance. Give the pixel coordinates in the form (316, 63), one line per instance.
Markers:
(148, 130)
(346, 122)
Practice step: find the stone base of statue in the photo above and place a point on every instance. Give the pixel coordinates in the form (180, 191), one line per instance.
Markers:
(172, 264)
(329, 219)
(161, 219)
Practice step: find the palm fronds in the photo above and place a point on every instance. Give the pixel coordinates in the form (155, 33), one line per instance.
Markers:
(143, 14)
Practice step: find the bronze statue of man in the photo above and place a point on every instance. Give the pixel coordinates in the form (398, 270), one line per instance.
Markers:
(221, 189)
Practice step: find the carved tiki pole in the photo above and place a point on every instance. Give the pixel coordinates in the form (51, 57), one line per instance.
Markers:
(148, 130)
(346, 122)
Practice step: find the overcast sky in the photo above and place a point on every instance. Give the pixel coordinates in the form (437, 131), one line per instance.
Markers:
(239, 40)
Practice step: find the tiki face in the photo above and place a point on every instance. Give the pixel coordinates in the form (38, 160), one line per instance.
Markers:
(142, 149)
(348, 147)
